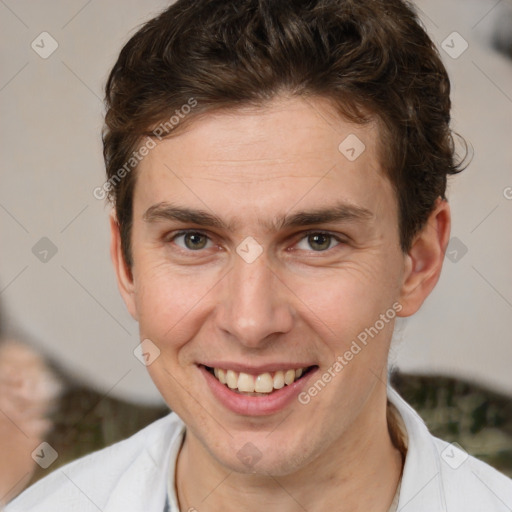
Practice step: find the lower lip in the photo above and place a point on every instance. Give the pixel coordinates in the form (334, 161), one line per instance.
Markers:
(255, 405)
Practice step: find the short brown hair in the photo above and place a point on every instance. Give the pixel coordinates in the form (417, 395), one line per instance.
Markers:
(372, 58)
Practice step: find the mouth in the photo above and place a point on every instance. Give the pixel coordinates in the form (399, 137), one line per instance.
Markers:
(263, 384)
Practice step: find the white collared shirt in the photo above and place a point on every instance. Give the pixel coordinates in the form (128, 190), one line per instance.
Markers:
(132, 475)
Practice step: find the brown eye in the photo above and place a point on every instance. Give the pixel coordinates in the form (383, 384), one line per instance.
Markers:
(192, 240)
(318, 241)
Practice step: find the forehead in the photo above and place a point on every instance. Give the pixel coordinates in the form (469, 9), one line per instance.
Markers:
(259, 160)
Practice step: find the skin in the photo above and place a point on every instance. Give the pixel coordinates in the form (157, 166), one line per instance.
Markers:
(294, 303)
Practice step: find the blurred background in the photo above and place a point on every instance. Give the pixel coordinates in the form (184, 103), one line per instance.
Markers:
(67, 342)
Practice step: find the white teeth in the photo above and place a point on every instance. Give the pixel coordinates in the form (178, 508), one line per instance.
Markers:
(289, 377)
(263, 383)
(231, 379)
(279, 379)
(221, 375)
(245, 382)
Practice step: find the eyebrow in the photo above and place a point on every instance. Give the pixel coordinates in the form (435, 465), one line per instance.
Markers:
(339, 212)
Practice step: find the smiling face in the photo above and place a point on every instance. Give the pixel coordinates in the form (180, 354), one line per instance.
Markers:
(291, 251)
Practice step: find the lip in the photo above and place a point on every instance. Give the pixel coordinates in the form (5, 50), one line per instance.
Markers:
(256, 370)
(255, 405)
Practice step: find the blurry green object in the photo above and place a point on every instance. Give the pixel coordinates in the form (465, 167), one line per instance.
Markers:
(478, 420)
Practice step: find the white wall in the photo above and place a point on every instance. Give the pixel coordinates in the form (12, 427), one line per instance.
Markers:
(51, 161)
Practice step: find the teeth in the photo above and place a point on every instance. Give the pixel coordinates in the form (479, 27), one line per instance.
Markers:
(289, 377)
(279, 379)
(246, 383)
(221, 375)
(263, 383)
(231, 379)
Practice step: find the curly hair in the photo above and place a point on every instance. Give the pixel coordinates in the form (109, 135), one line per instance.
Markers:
(371, 58)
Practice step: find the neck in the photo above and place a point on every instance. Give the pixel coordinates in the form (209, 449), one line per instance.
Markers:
(359, 471)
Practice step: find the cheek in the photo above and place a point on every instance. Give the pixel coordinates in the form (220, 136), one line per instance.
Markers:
(174, 305)
(357, 286)
(166, 300)
(347, 302)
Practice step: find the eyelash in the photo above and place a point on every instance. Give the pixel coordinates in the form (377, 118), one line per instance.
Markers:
(305, 234)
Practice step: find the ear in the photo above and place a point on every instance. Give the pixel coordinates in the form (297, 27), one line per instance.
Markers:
(424, 261)
(123, 273)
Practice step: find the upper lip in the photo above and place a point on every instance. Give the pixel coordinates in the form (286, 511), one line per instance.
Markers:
(255, 369)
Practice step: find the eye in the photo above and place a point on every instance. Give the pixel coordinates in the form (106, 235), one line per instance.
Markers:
(319, 241)
(195, 241)
(192, 240)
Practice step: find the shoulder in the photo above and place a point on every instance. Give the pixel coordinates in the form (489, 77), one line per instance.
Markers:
(441, 476)
(90, 482)
(469, 483)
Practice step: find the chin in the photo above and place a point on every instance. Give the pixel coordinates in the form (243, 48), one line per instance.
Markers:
(267, 460)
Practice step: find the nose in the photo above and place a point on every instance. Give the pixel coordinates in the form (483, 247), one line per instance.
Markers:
(255, 304)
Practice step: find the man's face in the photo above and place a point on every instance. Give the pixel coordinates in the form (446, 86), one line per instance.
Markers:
(267, 295)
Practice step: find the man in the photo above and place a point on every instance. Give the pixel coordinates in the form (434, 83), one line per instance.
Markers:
(278, 174)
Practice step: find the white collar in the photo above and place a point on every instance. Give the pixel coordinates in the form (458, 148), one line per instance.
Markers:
(421, 486)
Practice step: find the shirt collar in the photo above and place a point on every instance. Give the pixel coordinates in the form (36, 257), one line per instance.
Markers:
(172, 501)
(421, 487)
(143, 484)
